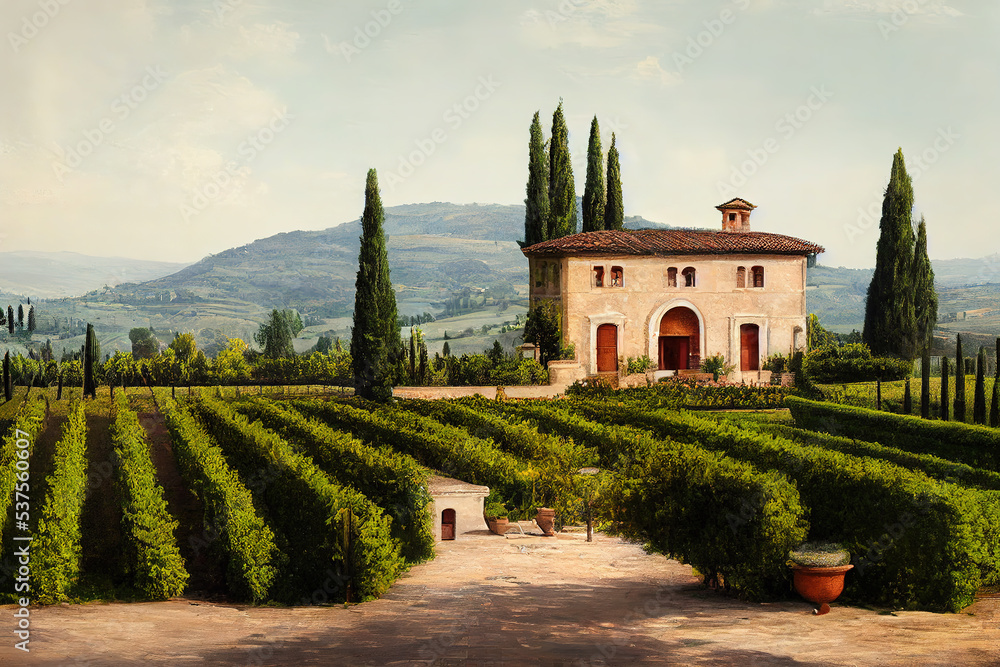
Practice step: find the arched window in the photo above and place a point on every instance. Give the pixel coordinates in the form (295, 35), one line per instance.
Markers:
(617, 277)
(758, 276)
(689, 276)
(672, 277)
(741, 277)
(598, 276)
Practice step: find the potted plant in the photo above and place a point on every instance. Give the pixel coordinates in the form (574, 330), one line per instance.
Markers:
(818, 570)
(496, 517)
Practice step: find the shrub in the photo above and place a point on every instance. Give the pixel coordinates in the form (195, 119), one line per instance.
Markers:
(153, 559)
(852, 363)
(14, 466)
(56, 549)
(639, 364)
(716, 365)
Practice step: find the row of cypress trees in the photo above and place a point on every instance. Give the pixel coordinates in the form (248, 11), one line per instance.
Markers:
(550, 202)
(11, 322)
(980, 413)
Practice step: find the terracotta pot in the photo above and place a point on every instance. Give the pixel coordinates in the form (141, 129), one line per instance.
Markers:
(499, 525)
(820, 585)
(546, 520)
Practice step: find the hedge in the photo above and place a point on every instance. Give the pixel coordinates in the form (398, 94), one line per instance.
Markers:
(916, 542)
(245, 540)
(722, 516)
(853, 363)
(14, 466)
(977, 446)
(444, 448)
(153, 559)
(672, 393)
(56, 548)
(333, 532)
(395, 482)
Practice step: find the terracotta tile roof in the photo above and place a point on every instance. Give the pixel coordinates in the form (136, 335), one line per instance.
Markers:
(737, 203)
(673, 242)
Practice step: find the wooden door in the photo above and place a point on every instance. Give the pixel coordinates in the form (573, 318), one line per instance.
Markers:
(448, 524)
(674, 352)
(749, 347)
(607, 348)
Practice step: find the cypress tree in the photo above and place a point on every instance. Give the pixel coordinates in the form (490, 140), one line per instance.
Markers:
(594, 194)
(446, 350)
(907, 399)
(945, 375)
(375, 337)
(413, 357)
(562, 190)
(995, 403)
(536, 204)
(20, 316)
(979, 404)
(925, 385)
(31, 319)
(890, 321)
(614, 209)
(10, 320)
(959, 382)
(8, 387)
(925, 301)
(91, 357)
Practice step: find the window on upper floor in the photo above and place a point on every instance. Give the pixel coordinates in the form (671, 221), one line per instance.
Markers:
(598, 276)
(741, 276)
(672, 277)
(757, 274)
(689, 276)
(617, 277)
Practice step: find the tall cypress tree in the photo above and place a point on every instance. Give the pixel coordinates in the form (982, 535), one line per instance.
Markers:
(594, 194)
(925, 385)
(979, 404)
(614, 209)
(995, 403)
(925, 301)
(31, 319)
(20, 316)
(10, 320)
(562, 190)
(945, 375)
(890, 322)
(91, 357)
(959, 382)
(375, 341)
(8, 386)
(536, 204)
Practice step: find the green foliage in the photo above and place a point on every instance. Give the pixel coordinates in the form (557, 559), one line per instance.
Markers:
(945, 375)
(494, 510)
(245, 540)
(56, 548)
(544, 330)
(562, 191)
(275, 336)
(91, 357)
(15, 472)
(375, 336)
(316, 516)
(614, 210)
(639, 364)
(820, 554)
(852, 363)
(154, 563)
(594, 194)
(979, 405)
(673, 394)
(536, 203)
(816, 335)
(8, 386)
(395, 482)
(776, 363)
(977, 446)
(925, 300)
(995, 402)
(959, 381)
(184, 347)
(717, 366)
(144, 343)
(890, 319)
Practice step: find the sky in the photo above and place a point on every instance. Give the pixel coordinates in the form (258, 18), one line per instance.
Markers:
(170, 130)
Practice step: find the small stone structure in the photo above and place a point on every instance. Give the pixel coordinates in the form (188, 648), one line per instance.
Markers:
(457, 507)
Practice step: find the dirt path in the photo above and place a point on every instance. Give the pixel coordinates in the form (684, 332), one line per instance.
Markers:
(536, 601)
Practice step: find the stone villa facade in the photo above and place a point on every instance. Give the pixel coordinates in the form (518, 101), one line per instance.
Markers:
(675, 295)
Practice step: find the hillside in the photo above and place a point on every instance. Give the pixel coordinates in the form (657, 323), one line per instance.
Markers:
(64, 274)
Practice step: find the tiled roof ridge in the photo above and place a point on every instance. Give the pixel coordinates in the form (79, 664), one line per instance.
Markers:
(673, 242)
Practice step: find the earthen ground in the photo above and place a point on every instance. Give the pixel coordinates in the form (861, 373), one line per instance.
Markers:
(486, 600)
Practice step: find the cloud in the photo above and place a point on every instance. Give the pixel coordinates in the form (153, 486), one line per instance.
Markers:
(651, 70)
(928, 8)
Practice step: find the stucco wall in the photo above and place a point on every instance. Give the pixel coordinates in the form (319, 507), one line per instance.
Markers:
(637, 307)
(468, 513)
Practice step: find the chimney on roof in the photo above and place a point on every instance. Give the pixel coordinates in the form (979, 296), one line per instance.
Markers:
(736, 215)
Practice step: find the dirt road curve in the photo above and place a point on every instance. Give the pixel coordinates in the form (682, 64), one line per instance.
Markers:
(536, 601)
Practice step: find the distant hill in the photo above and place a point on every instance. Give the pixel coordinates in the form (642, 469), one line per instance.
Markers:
(62, 274)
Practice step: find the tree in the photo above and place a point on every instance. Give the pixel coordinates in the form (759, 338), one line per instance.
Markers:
(543, 329)
(907, 399)
(91, 357)
(925, 384)
(562, 190)
(275, 336)
(231, 363)
(945, 375)
(959, 382)
(375, 337)
(144, 343)
(10, 320)
(184, 346)
(446, 350)
(31, 319)
(20, 316)
(323, 345)
(536, 203)
(890, 320)
(925, 301)
(8, 387)
(614, 209)
(995, 403)
(979, 402)
(594, 195)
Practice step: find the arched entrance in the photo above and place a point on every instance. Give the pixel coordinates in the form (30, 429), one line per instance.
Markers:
(749, 347)
(607, 348)
(679, 342)
(448, 524)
